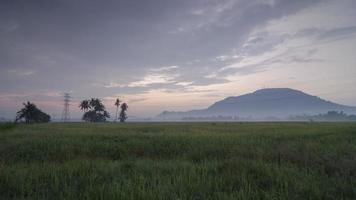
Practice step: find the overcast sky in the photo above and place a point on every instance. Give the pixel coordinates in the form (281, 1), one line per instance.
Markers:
(172, 54)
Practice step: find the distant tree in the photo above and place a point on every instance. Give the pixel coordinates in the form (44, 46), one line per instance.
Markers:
(117, 104)
(123, 115)
(84, 105)
(329, 116)
(31, 114)
(94, 110)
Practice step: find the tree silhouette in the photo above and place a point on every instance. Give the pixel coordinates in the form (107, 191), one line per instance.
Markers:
(94, 110)
(123, 115)
(31, 114)
(117, 104)
(84, 105)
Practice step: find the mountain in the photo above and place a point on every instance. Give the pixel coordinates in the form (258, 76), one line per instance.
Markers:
(264, 104)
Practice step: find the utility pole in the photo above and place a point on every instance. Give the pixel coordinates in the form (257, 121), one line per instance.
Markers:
(65, 112)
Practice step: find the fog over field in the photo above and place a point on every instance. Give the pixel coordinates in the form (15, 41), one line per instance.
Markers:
(265, 104)
(168, 55)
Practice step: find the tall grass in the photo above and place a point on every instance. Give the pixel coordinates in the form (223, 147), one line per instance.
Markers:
(6, 125)
(179, 161)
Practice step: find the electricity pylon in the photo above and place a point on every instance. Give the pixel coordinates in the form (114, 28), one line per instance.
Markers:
(65, 112)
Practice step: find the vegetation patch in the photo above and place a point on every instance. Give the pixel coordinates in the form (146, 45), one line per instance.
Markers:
(7, 126)
(178, 161)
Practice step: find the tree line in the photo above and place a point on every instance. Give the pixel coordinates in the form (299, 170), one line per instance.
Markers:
(94, 111)
(329, 116)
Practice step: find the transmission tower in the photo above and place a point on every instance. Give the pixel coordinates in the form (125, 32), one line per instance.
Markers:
(65, 112)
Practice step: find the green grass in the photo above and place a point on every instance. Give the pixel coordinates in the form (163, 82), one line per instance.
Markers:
(178, 161)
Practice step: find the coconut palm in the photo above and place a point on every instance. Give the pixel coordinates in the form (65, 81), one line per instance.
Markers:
(30, 113)
(94, 110)
(84, 105)
(123, 115)
(97, 105)
(117, 104)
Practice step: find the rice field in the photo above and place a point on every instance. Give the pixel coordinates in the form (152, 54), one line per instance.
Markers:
(178, 161)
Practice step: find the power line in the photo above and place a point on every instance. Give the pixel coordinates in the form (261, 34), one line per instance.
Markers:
(65, 112)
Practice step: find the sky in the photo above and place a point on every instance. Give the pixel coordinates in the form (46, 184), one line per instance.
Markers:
(172, 55)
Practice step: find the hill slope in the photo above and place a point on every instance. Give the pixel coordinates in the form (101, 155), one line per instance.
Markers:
(265, 103)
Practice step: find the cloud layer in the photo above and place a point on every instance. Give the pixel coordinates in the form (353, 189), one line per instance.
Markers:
(167, 54)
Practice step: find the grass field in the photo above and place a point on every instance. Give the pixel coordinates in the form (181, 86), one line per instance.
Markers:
(178, 161)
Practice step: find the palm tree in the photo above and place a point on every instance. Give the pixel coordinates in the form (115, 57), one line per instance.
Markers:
(97, 105)
(123, 115)
(26, 112)
(117, 104)
(84, 105)
(94, 110)
(32, 114)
